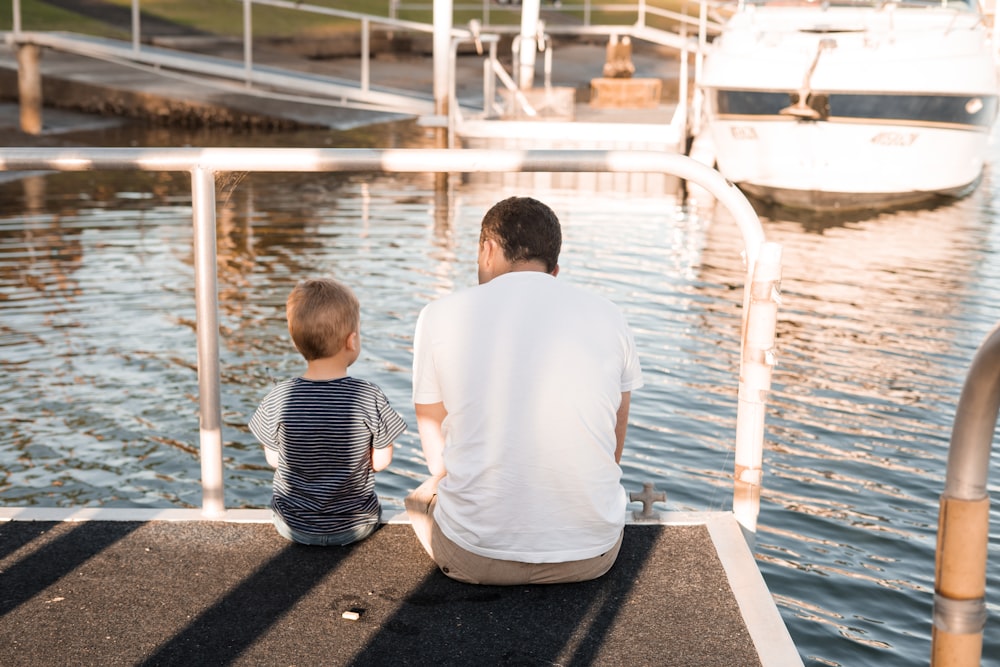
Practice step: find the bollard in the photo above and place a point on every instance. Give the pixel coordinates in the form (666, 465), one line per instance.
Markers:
(29, 87)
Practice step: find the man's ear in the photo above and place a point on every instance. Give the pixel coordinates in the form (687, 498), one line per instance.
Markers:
(555, 271)
(490, 249)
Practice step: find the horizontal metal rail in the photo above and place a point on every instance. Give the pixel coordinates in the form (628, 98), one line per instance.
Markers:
(204, 164)
(318, 89)
(584, 9)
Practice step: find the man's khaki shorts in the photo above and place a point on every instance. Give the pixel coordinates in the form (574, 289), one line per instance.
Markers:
(462, 565)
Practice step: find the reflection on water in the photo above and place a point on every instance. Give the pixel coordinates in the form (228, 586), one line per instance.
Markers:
(879, 322)
(880, 318)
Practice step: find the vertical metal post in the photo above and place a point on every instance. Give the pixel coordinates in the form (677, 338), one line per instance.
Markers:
(207, 314)
(247, 43)
(684, 107)
(442, 53)
(702, 40)
(756, 361)
(489, 81)
(29, 87)
(136, 29)
(365, 53)
(442, 47)
(529, 44)
(452, 92)
(17, 18)
(995, 42)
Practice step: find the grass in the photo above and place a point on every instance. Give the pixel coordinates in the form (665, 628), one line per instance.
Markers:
(225, 17)
(36, 15)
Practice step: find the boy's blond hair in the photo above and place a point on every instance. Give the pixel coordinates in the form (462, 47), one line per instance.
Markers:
(322, 313)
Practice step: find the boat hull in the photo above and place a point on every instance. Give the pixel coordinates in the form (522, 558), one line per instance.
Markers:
(844, 165)
(848, 107)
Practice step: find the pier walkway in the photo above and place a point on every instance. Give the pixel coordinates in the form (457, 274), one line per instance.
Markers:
(196, 79)
(163, 592)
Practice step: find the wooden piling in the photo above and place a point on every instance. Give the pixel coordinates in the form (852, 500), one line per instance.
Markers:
(29, 87)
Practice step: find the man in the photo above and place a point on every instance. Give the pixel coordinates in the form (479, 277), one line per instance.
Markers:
(521, 388)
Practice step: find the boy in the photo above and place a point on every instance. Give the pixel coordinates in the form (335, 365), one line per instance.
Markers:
(326, 433)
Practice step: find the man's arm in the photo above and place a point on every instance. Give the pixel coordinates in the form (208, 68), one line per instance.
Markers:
(621, 425)
(430, 416)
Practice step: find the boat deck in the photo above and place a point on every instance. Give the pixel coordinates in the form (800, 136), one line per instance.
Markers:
(165, 592)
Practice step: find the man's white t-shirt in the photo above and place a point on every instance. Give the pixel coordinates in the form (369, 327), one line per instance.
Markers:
(531, 370)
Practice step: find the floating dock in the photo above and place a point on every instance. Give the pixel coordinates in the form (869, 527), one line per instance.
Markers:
(103, 588)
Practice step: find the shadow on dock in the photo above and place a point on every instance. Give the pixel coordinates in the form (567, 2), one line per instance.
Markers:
(183, 593)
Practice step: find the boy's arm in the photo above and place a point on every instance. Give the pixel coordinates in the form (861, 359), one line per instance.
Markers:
(621, 424)
(381, 457)
(430, 416)
(272, 457)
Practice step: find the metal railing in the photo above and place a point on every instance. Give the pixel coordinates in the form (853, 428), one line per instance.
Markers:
(700, 25)
(763, 259)
(248, 74)
(641, 10)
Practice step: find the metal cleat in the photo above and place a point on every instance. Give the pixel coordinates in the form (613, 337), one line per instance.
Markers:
(647, 497)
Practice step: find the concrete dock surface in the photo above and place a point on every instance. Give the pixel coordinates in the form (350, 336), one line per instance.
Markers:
(214, 593)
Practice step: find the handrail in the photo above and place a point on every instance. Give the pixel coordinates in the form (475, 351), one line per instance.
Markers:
(641, 9)
(964, 516)
(317, 89)
(762, 258)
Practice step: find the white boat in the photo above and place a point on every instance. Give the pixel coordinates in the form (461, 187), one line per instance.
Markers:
(846, 105)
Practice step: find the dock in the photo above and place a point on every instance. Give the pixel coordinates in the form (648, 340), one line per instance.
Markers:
(181, 77)
(106, 586)
(94, 590)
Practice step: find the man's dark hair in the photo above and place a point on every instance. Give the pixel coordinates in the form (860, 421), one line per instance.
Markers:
(525, 229)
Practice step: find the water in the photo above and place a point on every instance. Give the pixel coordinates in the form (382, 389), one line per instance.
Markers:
(879, 321)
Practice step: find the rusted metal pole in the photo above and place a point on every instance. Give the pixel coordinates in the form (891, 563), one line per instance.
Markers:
(29, 87)
(963, 521)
